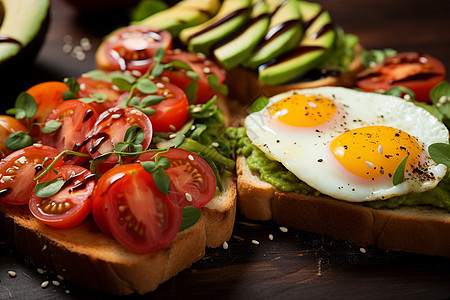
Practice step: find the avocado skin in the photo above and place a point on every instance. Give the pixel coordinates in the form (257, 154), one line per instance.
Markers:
(13, 68)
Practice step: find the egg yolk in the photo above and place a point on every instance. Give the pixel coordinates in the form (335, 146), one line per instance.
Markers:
(376, 151)
(303, 110)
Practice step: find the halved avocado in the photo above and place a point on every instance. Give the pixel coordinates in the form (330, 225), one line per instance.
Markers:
(22, 31)
(318, 41)
(232, 14)
(182, 15)
(236, 50)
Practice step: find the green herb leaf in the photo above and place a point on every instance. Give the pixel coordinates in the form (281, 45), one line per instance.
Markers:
(398, 91)
(91, 100)
(135, 102)
(97, 160)
(151, 100)
(190, 217)
(177, 140)
(49, 188)
(121, 147)
(193, 75)
(191, 90)
(99, 96)
(259, 104)
(148, 111)
(135, 148)
(400, 172)
(214, 83)
(26, 103)
(51, 126)
(440, 153)
(96, 75)
(20, 114)
(149, 166)
(440, 96)
(376, 56)
(118, 74)
(69, 95)
(18, 140)
(204, 111)
(146, 86)
(131, 133)
(159, 55)
(163, 162)
(157, 70)
(162, 181)
(73, 86)
(178, 64)
(122, 84)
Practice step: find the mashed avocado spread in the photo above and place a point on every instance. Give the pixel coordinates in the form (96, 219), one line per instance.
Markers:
(276, 174)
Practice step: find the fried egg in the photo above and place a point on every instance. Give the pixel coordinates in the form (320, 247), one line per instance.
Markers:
(348, 144)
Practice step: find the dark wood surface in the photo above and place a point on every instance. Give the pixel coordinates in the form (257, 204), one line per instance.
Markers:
(295, 264)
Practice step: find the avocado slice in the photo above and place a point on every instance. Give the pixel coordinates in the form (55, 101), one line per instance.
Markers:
(284, 34)
(318, 41)
(22, 22)
(182, 15)
(232, 15)
(237, 49)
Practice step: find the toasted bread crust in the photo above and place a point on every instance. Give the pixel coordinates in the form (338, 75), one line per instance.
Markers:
(414, 229)
(245, 86)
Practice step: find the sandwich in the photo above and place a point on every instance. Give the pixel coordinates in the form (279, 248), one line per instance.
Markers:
(367, 168)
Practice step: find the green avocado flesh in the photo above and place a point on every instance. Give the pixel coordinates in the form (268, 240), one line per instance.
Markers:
(276, 174)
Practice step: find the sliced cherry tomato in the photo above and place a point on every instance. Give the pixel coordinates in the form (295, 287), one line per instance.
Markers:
(18, 170)
(172, 112)
(72, 204)
(48, 95)
(418, 72)
(135, 212)
(8, 125)
(132, 48)
(200, 65)
(77, 119)
(89, 87)
(110, 129)
(193, 182)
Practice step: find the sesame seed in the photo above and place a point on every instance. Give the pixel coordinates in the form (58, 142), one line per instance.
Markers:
(135, 111)
(188, 197)
(283, 229)
(369, 164)
(407, 97)
(214, 144)
(160, 85)
(177, 50)
(44, 248)
(115, 116)
(206, 70)
(312, 104)
(200, 55)
(60, 277)
(225, 245)
(40, 271)
(165, 79)
(380, 149)
(6, 178)
(173, 135)
(190, 157)
(362, 250)
(442, 99)
(83, 86)
(136, 73)
(172, 127)
(255, 242)
(114, 87)
(37, 145)
(12, 274)
(55, 283)
(197, 109)
(193, 127)
(271, 237)
(44, 284)
(67, 292)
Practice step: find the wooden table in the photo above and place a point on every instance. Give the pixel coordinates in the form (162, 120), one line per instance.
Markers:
(295, 264)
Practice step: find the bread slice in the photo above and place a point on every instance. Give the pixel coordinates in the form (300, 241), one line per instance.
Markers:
(85, 256)
(413, 229)
(244, 85)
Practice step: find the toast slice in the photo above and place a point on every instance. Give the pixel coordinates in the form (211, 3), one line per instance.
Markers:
(413, 229)
(85, 256)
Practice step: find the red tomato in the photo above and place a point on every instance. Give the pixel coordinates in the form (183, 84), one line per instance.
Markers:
(132, 47)
(18, 170)
(199, 65)
(89, 87)
(8, 125)
(48, 95)
(135, 212)
(71, 205)
(77, 120)
(418, 72)
(172, 112)
(193, 182)
(110, 129)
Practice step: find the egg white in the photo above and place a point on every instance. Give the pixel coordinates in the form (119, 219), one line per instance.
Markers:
(305, 151)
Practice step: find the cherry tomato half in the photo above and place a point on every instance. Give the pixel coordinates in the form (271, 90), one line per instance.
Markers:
(418, 72)
(90, 87)
(18, 170)
(193, 182)
(71, 205)
(77, 119)
(8, 125)
(47, 95)
(110, 129)
(172, 112)
(131, 207)
(132, 48)
(200, 65)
